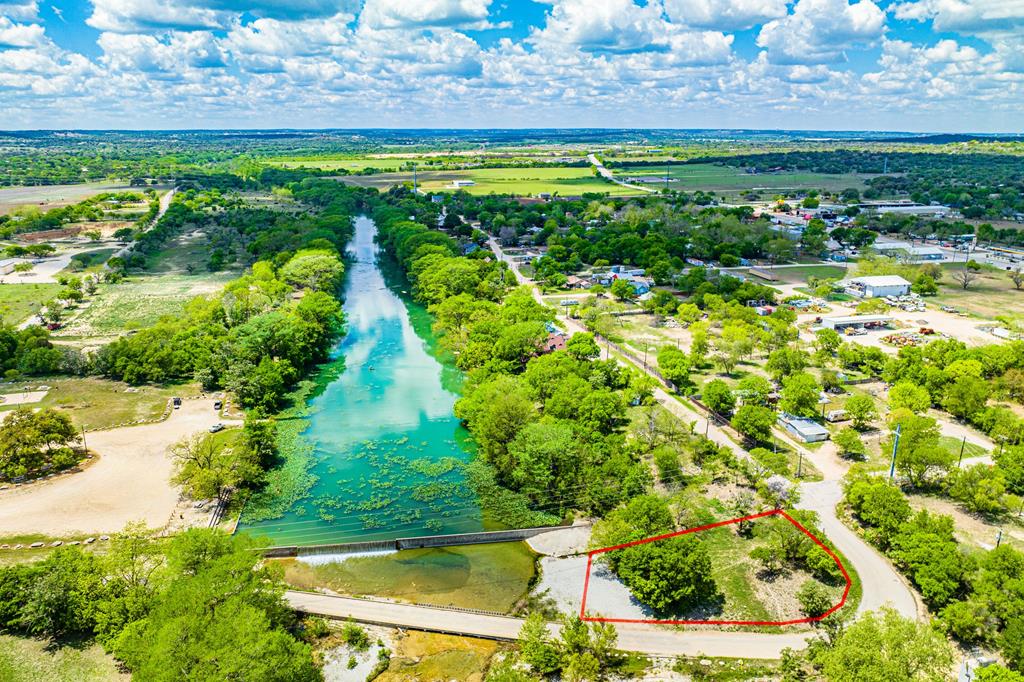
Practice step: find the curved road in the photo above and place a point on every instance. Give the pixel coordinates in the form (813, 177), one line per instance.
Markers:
(608, 175)
(881, 583)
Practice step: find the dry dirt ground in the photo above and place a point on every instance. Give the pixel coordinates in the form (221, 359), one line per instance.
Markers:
(129, 482)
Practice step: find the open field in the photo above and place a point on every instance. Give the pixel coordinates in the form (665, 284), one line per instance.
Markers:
(30, 660)
(516, 181)
(99, 403)
(18, 301)
(712, 177)
(351, 164)
(139, 302)
(991, 294)
(799, 275)
(53, 196)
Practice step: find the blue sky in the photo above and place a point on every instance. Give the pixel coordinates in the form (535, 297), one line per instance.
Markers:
(916, 65)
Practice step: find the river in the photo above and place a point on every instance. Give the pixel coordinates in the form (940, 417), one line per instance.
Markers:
(387, 448)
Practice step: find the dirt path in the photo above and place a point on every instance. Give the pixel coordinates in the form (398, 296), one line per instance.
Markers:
(129, 482)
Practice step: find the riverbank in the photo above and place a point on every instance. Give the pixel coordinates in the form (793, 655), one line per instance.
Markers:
(372, 449)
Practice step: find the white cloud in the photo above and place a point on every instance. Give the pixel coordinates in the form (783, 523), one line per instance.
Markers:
(19, 35)
(146, 16)
(20, 11)
(966, 16)
(174, 53)
(725, 15)
(604, 25)
(820, 31)
(386, 14)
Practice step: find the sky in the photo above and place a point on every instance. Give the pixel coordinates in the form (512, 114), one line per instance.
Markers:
(905, 65)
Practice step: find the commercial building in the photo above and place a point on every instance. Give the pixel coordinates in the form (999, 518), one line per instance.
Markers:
(856, 321)
(877, 286)
(906, 252)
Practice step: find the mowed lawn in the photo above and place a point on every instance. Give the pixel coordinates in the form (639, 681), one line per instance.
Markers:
(712, 177)
(18, 301)
(516, 181)
(33, 660)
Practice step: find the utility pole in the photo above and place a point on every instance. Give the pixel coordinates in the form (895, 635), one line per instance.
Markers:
(962, 446)
(800, 465)
(999, 538)
(414, 186)
(895, 445)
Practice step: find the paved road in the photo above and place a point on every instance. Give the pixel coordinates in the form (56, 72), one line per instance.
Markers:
(608, 175)
(881, 582)
(637, 638)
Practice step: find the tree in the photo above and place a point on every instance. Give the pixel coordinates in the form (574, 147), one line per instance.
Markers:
(674, 365)
(754, 422)
(850, 443)
(754, 389)
(785, 361)
(780, 250)
(32, 440)
(887, 647)
(861, 409)
(966, 396)
(910, 396)
(965, 276)
(582, 346)
(670, 576)
(62, 597)
(980, 487)
(997, 673)
(800, 394)
(1017, 277)
(924, 285)
(827, 341)
(718, 396)
(814, 598)
(919, 455)
(221, 616)
(880, 505)
(623, 290)
(315, 270)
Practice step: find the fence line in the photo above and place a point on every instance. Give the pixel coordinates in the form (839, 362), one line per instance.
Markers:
(632, 356)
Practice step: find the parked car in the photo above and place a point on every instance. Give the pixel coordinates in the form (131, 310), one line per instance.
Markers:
(177, 402)
(216, 427)
(217, 404)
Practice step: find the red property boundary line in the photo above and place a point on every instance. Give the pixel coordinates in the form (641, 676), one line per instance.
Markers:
(774, 623)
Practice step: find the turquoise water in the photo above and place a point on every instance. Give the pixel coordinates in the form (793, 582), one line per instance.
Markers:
(387, 449)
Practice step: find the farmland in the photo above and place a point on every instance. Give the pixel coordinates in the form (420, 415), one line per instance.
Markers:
(712, 177)
(515, 181)
(53, 196)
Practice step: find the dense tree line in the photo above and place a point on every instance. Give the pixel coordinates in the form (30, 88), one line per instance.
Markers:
(548, 424)
(197, 606)
(978, 185)
(979, 596)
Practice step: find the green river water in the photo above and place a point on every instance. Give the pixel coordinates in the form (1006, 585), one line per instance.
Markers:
(386, 447)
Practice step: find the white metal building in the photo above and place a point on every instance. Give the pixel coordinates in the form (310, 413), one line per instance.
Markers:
(878, 286)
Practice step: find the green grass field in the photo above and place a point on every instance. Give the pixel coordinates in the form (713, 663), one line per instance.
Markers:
(139, 302)
(98, 403)
(991, 294)
(32, 660)
(355, 163)
(798, 275)
(18, 301)
(712, 177)
(515, 181)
